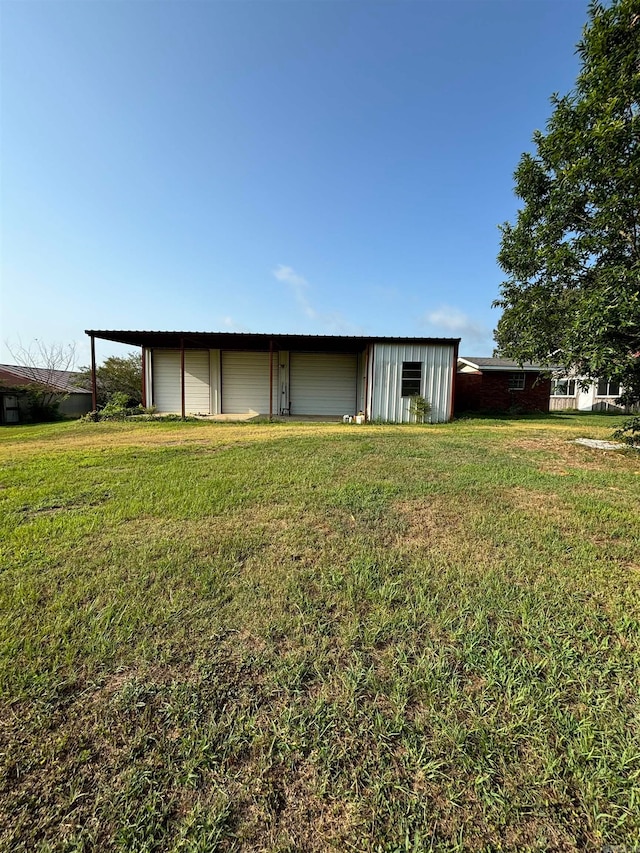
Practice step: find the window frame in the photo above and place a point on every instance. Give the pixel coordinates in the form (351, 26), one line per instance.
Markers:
(521, 378)
(408, 367)
(569, 385)
(607, 384)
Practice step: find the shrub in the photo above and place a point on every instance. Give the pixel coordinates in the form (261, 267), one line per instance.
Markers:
(629, 432)
(117, 409)
(419, 408)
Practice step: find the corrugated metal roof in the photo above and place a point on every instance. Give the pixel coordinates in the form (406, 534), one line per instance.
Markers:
(483, 363)
(251, 340)
(64, 381)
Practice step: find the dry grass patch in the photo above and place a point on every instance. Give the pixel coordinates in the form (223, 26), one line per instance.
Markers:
(560, 456)
(542, 506)
(433, 523)
(75, 436)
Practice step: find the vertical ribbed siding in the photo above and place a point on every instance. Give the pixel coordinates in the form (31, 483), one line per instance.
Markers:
(148, 387)
(283, 399)
(214, 374)
(362, 366)
(437, 371)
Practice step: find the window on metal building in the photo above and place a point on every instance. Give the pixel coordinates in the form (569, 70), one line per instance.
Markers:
(411, 378)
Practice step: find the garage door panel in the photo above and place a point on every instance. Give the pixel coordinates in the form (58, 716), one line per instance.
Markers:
(197, 389)
(245, 382)
(323, 383)
(167, 382)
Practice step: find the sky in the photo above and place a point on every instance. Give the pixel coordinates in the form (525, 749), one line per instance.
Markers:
(320, 166)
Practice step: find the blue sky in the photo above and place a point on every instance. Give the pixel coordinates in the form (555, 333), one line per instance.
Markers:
(317, 167)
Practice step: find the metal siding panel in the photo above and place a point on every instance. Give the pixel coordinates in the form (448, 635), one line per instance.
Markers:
(148, 401)
(214, 373)
(323, 383)
(282, 399)
(437, 360)
(166, 381)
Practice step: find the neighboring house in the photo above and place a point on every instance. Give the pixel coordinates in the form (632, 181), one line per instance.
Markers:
(599, 395)
(60, 387)
(501, 385)
(243, 374)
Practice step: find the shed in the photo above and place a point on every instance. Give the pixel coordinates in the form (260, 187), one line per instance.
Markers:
(227, 374)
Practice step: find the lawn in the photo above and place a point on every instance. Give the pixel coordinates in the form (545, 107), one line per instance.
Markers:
(306, 637)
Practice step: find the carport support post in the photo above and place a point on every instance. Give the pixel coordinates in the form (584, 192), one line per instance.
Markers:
(271, 379)
(144, 377)
(182, 376)
(94, 386)
(454, 376)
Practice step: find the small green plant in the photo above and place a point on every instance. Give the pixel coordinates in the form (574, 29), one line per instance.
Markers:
(629, 432)
(116, 406)
(117, 409)
(420, 409)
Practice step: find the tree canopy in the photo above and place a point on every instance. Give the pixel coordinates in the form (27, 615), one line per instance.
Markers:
(117, 375)
(572, 296)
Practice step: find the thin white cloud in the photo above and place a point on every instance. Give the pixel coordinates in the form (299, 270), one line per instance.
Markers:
(288, 274)
(333, 322)
(455, 322)
(299, 287)
(230, 325)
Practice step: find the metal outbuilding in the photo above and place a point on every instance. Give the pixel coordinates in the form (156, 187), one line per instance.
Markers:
(234, 373)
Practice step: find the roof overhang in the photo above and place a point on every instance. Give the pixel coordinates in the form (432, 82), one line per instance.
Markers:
(500, 366)
(254, 341)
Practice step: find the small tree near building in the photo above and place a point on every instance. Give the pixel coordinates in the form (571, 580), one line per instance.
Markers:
(122, 375)
(43, 365)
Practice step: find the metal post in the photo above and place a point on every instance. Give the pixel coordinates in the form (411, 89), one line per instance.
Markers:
(366, 382)
(144, 377)
(453, 379)
(94, 385)
(271, 379)
(182, 376)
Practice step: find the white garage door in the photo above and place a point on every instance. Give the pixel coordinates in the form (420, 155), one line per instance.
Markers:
(167, 391)
(323, 383)
(197, 391)
(245, 383)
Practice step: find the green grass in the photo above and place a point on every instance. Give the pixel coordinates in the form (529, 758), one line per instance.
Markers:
(304, 637)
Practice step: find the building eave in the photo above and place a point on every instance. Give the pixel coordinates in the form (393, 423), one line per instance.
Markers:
(254, 341)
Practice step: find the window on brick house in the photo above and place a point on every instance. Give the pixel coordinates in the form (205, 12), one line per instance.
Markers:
(516, 382)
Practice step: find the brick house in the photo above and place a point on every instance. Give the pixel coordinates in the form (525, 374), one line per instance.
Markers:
(501, 385)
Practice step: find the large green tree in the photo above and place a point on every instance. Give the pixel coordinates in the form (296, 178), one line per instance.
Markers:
(572, 296)
(117, 374)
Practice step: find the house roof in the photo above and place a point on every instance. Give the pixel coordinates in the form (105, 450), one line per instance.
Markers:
(488, 364)
(251, 340)
(64, 381)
